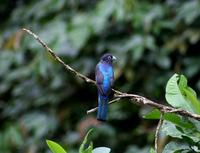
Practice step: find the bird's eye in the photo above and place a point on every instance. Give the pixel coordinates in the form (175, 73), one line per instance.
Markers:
(109, 57)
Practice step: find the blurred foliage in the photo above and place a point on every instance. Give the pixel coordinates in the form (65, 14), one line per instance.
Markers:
(39, 100)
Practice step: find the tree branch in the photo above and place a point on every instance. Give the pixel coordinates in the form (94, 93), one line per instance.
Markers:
(136, 99)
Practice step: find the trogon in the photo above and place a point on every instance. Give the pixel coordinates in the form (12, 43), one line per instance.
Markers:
(104, 76)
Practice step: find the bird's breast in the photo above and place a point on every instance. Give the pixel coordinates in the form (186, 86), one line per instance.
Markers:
(107, 72)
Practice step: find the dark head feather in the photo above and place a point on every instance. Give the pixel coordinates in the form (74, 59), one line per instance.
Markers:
(108, 58)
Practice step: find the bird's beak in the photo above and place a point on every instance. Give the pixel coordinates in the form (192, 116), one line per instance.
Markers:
(114, 58)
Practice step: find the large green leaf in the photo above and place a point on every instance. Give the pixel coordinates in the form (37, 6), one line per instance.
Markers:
(173, 94)
(188, 93)
(179, 95)
(55, 147)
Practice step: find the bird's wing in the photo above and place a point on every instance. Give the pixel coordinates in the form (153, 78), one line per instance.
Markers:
(99, 80)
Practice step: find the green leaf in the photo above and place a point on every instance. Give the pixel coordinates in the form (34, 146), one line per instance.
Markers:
(182, 82)
(89, 149)
(101, 150)
(170, 129)
(191, 136)
(174, 147)
(154, 114)
(82, 147)
(189, 140)
(191, 96)
(174, 94)
(55, 147)
(189, 93)
(173, 118)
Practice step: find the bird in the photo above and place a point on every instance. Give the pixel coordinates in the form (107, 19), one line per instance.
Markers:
(104, 77)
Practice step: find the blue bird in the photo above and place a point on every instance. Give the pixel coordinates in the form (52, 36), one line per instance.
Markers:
(104, 76)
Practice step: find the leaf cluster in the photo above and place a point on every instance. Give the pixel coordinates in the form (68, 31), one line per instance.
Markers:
(185, 130)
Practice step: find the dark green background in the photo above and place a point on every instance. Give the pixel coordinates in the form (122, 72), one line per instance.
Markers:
(39, 99)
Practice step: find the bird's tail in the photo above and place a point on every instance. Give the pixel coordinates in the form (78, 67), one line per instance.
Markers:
(102, 108)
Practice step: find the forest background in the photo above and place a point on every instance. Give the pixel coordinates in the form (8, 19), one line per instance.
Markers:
(39, 99)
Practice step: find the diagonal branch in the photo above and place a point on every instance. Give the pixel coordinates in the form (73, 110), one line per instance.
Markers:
(136, 99)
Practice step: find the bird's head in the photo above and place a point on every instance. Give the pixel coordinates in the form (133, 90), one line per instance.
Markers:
(108, 58)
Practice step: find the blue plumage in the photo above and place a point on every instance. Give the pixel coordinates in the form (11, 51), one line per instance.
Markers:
(104, 76)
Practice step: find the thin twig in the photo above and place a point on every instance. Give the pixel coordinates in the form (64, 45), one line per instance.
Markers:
(136, 99)
(157, 132)
(96, 108)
